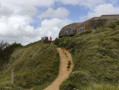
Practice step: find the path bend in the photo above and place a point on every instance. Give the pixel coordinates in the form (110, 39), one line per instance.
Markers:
(65, 57)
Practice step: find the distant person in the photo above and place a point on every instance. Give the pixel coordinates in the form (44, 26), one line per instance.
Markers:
(50, 39)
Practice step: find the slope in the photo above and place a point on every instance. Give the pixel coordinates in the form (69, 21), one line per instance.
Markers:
(35, 65)
(96, 59)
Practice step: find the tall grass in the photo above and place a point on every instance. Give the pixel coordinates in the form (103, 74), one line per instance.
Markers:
(96, 59)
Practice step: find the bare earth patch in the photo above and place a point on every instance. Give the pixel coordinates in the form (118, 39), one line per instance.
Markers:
(64, 71)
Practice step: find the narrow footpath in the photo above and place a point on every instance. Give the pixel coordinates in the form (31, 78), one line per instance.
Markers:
(66, 66)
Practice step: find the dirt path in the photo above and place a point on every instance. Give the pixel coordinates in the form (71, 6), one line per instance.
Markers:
(65, 57)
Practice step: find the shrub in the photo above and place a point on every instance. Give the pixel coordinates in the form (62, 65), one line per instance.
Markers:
(117, 22)
(112, 25)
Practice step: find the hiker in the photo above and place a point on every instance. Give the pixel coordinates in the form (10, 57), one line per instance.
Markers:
(50, 39)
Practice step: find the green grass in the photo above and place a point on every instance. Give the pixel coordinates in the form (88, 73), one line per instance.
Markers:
(36, 66)
(96, 58)
(101, 87)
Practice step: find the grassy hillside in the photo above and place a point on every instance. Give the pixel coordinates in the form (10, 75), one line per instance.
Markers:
(35, 65)
(96, 58)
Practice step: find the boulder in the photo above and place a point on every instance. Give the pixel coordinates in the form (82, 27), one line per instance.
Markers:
(44, 39)
(68, 30)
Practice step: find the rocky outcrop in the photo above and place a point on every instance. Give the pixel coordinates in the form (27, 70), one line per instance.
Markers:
(103, 20)
(68, 30)
(93, 23)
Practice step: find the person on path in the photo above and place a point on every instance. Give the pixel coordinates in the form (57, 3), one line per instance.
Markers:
(50, 39)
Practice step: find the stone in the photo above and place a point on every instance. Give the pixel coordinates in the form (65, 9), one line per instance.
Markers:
(44, 39)
(68, 30)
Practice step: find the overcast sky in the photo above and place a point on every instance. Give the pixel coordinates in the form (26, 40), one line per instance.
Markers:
(26, 21)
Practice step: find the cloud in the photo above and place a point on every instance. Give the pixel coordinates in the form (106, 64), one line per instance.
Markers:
(52, 27)
(113, 1)
(25, 5)
(103, 9)
(87, 3)
(29, 10)
(16, 17)
(17, 28)
(40, 3)
(5, 11)
(51, 13)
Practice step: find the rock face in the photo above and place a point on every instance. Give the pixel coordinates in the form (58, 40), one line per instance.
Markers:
(93, 23)
(101, 21)
(68, 30)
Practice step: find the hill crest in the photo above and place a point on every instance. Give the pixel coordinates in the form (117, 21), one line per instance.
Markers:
(93, 23)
